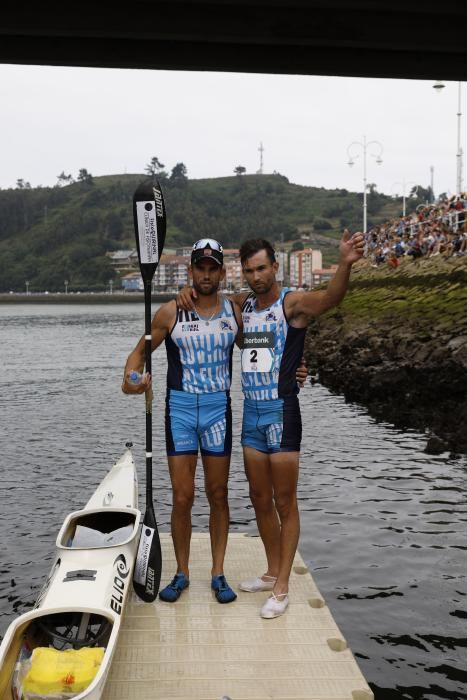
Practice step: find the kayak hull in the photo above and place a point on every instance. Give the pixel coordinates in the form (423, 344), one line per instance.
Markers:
(89, 581)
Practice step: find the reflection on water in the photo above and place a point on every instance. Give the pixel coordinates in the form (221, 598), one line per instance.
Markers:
(383, 524)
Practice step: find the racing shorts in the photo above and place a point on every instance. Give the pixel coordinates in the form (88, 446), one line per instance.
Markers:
(198, 420)
(273, 425)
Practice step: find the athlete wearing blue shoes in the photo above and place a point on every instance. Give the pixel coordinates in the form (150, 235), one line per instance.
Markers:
(274, 327)
(199, 347)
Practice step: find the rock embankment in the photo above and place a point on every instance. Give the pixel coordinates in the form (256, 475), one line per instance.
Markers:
(398, 345)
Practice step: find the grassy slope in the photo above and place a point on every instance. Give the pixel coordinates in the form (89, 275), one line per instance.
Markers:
(432, 291)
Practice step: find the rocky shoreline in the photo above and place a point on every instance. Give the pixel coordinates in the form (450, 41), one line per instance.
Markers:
(398, 345)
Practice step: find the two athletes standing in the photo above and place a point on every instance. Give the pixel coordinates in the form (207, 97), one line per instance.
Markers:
(274, 323)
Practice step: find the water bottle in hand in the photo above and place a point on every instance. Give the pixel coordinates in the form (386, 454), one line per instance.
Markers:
(135, 377)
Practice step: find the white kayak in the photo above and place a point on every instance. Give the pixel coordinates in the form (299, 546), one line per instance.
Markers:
(75, 622)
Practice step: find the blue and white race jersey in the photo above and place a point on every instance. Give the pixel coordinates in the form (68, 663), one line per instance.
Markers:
(272, 350)
(199, 351)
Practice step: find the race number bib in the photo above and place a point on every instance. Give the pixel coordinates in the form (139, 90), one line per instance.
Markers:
(258, 351)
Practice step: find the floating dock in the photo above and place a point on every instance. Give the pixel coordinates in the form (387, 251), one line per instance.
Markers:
(197, 649)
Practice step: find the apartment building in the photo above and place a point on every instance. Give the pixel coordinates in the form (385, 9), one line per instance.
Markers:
(301, 266)
(172, 273)
(123, 259)
(323, 275)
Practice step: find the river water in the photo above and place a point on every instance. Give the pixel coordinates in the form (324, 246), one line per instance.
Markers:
(383, 524)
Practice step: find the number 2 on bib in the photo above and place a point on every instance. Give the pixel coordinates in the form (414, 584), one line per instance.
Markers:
(258, 352)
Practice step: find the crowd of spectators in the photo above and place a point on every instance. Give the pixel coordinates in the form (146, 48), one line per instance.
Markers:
(432, 229)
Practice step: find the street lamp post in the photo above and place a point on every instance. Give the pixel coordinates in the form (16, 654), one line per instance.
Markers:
(404, 184)
(110, 286)
(66, 286)
(438, 86)
(377, 156)
(27, 287)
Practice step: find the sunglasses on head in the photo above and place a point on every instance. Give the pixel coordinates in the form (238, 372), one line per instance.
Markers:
(205, 242)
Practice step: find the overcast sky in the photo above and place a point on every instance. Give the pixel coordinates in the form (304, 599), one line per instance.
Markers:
(113, 121)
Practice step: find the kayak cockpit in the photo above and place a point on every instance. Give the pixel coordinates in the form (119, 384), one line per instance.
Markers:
(71, 630)
(100, 528)
(55, 656)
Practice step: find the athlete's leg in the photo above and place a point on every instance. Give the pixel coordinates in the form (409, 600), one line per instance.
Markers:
(259, 475)
(215, 436)
(216, 475)
(182, 475)
(284, 472)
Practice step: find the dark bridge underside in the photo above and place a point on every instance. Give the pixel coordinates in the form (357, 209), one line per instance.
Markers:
(398, 39)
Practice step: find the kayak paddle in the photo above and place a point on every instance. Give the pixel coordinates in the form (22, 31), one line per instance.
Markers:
(150, 224)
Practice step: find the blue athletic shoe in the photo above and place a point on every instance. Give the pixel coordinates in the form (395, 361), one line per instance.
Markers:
(173, 591)
(221, 588)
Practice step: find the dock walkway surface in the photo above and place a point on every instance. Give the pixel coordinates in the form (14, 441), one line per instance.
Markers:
(198, 649)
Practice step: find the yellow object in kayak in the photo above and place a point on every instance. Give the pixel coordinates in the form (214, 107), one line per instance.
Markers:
(54, 672)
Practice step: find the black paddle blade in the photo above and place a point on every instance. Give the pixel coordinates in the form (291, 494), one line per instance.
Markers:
(150, 226)
(148, 565)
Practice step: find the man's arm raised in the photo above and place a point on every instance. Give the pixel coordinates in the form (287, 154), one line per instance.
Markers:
(311, 304)
(161, 326)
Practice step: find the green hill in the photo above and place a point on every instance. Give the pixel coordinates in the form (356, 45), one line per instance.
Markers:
(49, 234)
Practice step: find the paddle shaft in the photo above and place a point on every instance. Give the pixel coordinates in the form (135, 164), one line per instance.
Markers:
(149, 394)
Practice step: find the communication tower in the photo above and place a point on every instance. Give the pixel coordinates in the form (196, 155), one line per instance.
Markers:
(261, 151)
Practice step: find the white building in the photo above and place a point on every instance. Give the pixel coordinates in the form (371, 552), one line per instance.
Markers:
(282, 276)
(233, 270)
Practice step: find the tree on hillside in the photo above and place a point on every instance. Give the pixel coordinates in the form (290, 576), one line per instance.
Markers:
(113, 226)
(423, 194)
(63, 180)
(22, 185)
(179, 173)
(155, 167)
(85, 176)
(297, 245)
(240, 170)
(371, 187)
(321, 224)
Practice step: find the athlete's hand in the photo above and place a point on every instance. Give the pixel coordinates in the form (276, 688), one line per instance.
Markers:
(301, 373)
(131, 388)
(185, 299)
(351, 247)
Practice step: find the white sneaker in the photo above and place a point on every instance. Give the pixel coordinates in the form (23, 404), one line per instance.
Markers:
(258, 584)
(275, 606)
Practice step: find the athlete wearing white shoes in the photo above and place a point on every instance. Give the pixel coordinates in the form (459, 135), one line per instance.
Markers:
(274, 327)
